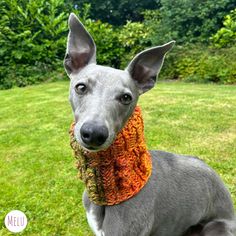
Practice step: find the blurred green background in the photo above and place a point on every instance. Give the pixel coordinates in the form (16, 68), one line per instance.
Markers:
(33, 37)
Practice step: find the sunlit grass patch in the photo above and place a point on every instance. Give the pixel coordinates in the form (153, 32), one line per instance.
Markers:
(37, 169)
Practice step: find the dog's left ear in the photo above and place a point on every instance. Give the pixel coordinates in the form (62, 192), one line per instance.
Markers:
(81, 49)
(145, 66)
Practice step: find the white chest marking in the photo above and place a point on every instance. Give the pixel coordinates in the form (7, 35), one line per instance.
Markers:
(93, 223)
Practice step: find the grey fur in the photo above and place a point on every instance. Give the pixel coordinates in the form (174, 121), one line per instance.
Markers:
(182, 191)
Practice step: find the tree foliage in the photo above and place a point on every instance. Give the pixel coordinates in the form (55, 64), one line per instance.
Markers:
(226, 36)
(117, 12)
(192, 21)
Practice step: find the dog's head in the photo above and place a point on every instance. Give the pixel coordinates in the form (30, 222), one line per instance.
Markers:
(103, 98)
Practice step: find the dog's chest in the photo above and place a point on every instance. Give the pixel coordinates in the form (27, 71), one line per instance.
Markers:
(92, 221)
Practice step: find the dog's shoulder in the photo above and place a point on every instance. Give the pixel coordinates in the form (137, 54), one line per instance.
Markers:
(179, 162)
(187, 170)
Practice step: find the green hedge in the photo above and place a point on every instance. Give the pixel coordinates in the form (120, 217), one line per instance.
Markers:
(33, 43)
(32, 38)
(201, 64)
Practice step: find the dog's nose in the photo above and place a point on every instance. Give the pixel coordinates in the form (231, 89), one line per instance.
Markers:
(93, 134)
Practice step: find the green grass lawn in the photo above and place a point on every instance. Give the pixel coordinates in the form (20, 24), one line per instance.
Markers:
(37, 171)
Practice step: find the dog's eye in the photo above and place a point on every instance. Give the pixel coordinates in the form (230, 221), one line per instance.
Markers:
(126, 99)
(80, 88)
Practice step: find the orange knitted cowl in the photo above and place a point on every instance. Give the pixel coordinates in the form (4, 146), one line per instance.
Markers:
(119, 172)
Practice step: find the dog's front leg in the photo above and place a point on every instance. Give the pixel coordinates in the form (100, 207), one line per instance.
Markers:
(95, 215)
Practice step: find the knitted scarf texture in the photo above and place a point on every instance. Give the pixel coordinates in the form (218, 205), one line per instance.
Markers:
(118, 173)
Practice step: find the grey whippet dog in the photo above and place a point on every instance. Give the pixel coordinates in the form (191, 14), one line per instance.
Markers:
(183, 196)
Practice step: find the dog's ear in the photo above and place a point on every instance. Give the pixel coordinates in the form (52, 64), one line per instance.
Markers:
(145, 66)
(81, 49)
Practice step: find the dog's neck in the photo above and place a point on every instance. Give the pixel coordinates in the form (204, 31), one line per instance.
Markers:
(118, 173)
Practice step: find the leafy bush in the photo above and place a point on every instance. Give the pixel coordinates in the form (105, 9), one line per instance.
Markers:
(226, 36)
(201, 64)
(32, 38)
(22, 74)
(109, 51)
(133, 37)
(116, 46)
(32, 31)
(189, 22)
(152, 21)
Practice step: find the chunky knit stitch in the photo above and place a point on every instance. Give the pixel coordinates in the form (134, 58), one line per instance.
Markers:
(119, 172)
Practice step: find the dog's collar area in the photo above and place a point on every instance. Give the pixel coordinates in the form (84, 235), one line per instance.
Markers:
(118, 173)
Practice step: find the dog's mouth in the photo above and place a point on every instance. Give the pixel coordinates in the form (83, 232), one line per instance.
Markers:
(90, 148)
